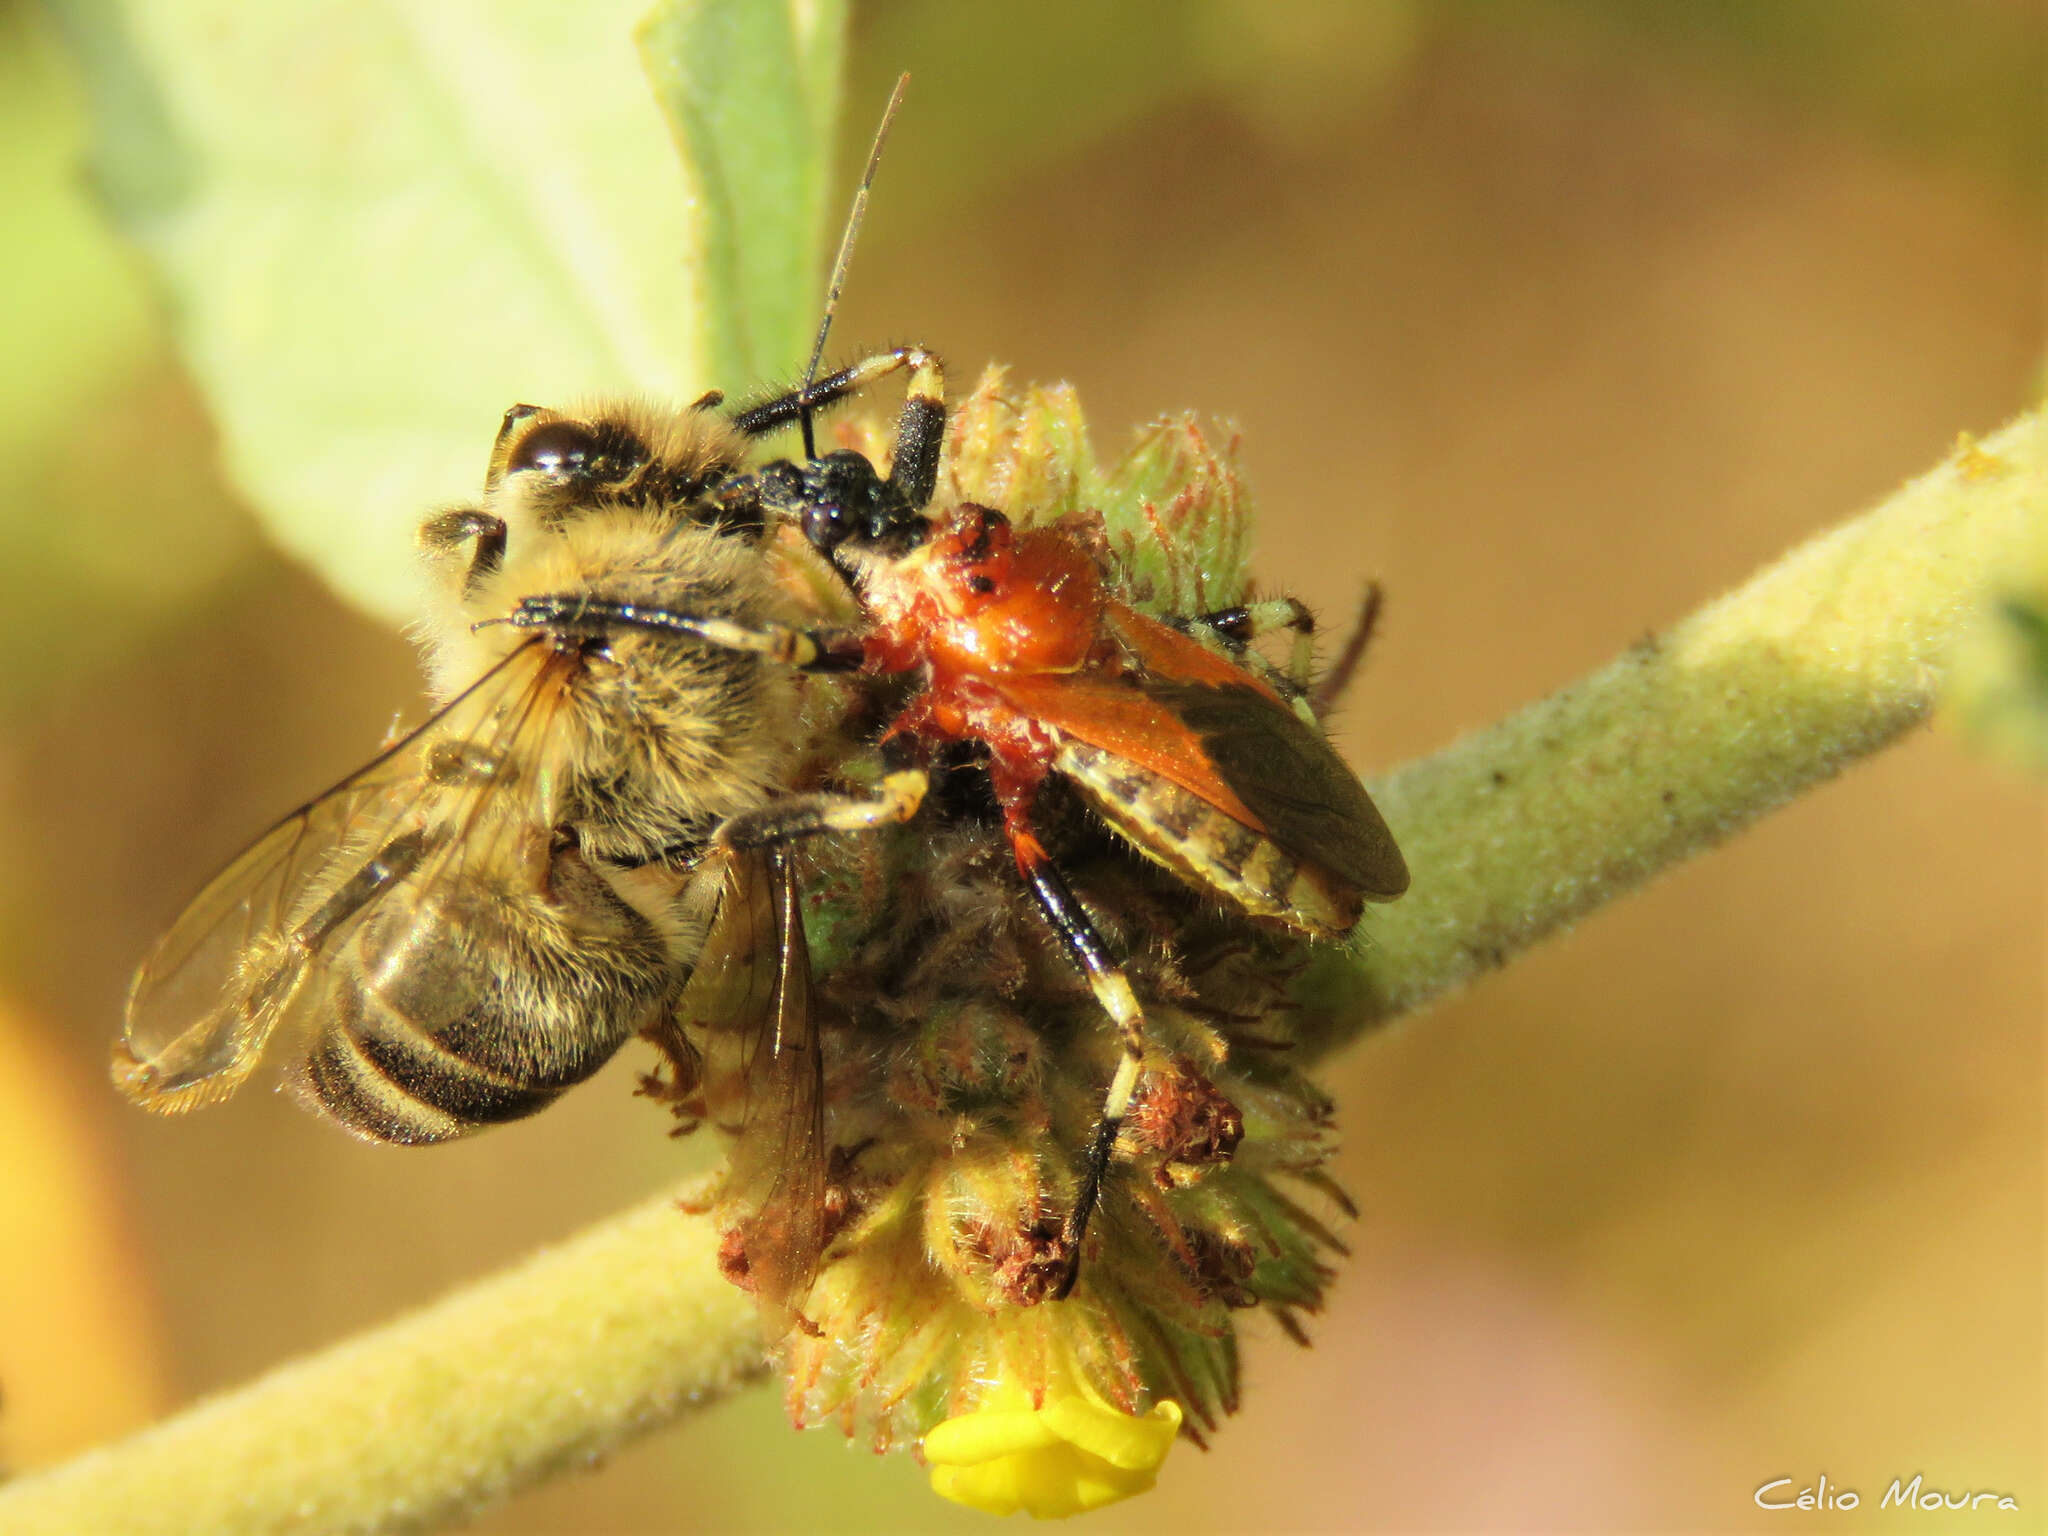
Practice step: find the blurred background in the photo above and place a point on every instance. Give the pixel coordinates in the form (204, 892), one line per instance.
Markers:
(1556, 318)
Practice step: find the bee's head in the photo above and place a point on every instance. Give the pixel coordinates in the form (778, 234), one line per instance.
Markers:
(560, 463)
(550, 469)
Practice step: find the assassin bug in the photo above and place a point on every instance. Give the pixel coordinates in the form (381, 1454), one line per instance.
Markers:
(1185, 748)
(1182, 747)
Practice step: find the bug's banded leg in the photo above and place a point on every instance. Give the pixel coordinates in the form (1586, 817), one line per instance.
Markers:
(1238, 626)
(807, 650)
(895, 800)
(920, 429)
(1338, 678)
(1112, 990)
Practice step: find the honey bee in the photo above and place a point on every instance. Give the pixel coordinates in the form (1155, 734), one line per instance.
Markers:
(581, 844)
(586, 840)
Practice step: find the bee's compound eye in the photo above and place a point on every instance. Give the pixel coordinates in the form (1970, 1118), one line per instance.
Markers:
(561, 450)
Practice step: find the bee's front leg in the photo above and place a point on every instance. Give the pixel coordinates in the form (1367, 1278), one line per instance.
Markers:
(444, 535)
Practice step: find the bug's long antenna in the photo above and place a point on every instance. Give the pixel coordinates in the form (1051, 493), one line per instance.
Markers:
(844, 259)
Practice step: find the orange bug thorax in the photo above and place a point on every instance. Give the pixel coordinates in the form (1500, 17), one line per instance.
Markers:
(982, 609)
(980, 600)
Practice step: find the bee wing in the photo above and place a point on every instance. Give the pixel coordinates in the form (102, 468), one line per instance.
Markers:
(764, 1082)
(239, 960)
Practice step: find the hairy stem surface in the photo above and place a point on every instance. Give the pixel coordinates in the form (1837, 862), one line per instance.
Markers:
(429, 1419)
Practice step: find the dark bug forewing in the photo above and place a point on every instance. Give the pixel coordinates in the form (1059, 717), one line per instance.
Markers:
(764, 1078)
(246, 953)
(1292, 779)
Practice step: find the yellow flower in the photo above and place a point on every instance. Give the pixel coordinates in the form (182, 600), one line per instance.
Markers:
(1073, 1454)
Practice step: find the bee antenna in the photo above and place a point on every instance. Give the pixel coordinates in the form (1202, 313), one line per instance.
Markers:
(845, 259)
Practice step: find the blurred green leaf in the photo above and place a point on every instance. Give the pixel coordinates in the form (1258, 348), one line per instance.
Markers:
(1958, 82)
(88, 396)
(379, 226)
(752, 92)
(73, 319)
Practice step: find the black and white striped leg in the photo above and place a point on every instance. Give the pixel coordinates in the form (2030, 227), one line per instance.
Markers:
(1112, 990)
(576, 614)
(895, 800)
(920, 429)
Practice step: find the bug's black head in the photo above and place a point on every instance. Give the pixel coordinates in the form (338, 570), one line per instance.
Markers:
(839, 501)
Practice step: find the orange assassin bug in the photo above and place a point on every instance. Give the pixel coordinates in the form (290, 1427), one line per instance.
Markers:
(1183, 749)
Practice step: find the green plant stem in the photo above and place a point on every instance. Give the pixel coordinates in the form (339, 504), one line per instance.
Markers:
(1512, 834)
(425, 1421)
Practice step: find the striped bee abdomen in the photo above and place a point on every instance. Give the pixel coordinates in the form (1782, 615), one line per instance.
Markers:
(473, 1005)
